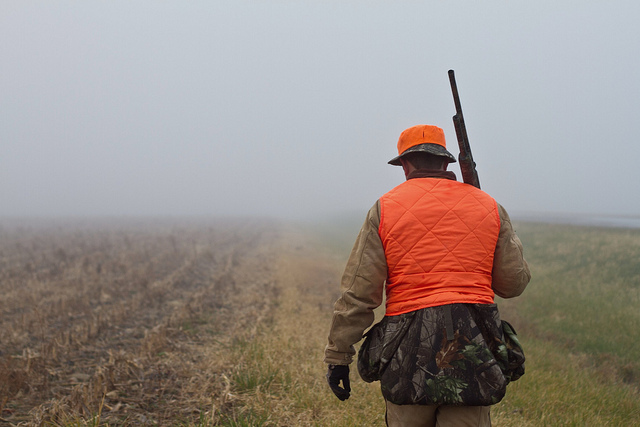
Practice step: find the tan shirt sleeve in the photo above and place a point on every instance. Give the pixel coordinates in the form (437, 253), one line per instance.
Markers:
(510, 270)
(362, 289)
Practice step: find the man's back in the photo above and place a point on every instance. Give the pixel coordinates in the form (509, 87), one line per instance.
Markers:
(439, 237)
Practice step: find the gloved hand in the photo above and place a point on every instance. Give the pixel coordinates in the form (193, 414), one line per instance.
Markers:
(335, 374)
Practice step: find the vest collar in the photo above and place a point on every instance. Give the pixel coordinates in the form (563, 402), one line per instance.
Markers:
(428, 173)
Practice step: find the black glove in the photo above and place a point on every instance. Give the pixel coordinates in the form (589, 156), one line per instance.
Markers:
(334, 375)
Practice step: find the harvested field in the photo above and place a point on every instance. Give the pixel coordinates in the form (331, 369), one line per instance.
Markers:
(125, 322)
(223, 323)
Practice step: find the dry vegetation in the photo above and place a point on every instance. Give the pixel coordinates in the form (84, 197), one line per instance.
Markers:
(224, 323)
(127, 323)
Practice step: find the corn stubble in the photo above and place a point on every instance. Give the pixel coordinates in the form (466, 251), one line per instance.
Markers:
(128, 324)
(224, 323)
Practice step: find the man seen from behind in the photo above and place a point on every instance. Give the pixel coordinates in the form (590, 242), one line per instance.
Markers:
(439, 250)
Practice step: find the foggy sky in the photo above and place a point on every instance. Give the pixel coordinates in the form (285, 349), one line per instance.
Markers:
(293, 108)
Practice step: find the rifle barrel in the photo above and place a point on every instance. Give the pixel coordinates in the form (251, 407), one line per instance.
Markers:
(454, 89)
(467, 165)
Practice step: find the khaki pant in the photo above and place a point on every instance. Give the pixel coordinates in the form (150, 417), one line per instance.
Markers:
(437, 416)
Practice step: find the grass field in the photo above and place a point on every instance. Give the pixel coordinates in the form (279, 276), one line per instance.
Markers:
(224, 323)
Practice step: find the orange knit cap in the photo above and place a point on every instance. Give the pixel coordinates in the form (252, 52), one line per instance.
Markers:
(425, 138)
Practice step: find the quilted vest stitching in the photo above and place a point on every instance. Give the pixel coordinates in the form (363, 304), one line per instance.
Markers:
(424, 222)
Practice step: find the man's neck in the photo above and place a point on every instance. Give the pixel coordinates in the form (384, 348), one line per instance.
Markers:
(431, 173)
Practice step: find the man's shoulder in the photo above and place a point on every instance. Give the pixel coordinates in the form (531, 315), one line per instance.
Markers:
(434, 184)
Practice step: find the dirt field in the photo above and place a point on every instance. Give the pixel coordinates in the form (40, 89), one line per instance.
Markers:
(128, 322)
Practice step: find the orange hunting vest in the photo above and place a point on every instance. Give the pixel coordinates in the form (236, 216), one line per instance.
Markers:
(439, 238)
